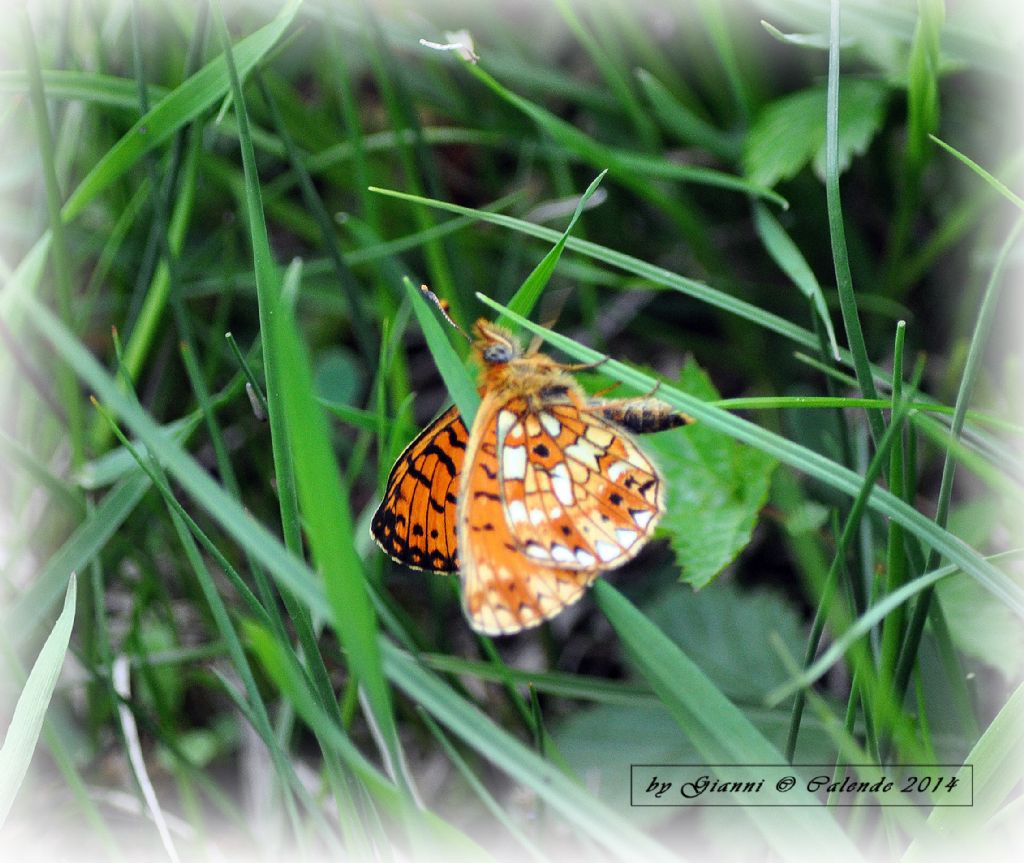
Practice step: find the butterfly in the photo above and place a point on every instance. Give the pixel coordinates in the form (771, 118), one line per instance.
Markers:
(544, 493)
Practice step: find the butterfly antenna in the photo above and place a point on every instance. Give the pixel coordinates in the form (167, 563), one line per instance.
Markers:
(442, 307)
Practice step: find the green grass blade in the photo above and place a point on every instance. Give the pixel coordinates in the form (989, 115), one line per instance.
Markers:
(623, 166)
(452, 367)
(993, 766)
(186, 102)
(27, 719)
(527, 296)
(685, 123)
(786, 254)
(996, 184)
(837, 231)
(862, 626)
(307, 472)
(630, 264)
(22, 618)
(521, 763)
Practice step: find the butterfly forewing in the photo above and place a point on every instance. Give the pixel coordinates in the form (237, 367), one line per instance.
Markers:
(578, 493)
(503, 589)
(415, 523)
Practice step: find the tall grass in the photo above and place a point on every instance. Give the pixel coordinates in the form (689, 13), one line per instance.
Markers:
(213, 346)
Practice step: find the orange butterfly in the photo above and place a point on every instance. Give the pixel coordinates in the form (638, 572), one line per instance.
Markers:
(545, 493)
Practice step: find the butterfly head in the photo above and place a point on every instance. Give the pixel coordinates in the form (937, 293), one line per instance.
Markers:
(494, 345)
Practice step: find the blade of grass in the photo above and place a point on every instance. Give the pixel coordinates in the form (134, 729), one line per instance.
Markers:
(613, 78)
(972, 366)
(519, 762)
(827, 604)
(186, 102)
(451, 366)
(479, 788)
(530, 291)
(685, 123)
(786, 254)
(71, 399)
(992, 768)
(1000, 187)
(837, 231)
(27, 719)
(864, 624)
(306, 471)
(630, 264)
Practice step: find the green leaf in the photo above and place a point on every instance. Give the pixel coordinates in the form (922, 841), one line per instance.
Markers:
(981, 626)
(29, 712)
(715, 488)
(713, 629)
(790, 132)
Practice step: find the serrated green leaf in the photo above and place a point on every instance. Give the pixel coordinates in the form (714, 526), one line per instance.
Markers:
(715, 488)
(790, 132)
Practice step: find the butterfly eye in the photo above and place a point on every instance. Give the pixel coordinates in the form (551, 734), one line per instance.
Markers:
(497, 353)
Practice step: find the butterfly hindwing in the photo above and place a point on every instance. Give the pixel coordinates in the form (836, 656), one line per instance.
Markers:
(503, 590)
(415, 523)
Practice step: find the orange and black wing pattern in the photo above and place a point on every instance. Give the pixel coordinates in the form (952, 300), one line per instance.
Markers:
(578, 492)
(503, 589)
(415, 523)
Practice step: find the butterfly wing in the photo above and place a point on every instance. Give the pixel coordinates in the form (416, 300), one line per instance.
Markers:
(578, 492)
(415, 523)
(503, 590)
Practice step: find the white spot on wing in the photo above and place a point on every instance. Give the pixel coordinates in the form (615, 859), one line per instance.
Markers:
(561, 484)
(583, 451)
(585, 558)
(554, 512)
(533, 549)
(551, 425)
(625, 536)
(513, 462)
(605, 550)
(516, 511)
(536, 516)
(642, 518)
(618, 469)
(561, 554)
(506, 419)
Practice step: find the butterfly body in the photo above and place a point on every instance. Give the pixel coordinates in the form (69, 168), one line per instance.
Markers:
(544, 494)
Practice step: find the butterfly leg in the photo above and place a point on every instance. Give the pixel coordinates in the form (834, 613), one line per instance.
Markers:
(584, 367)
